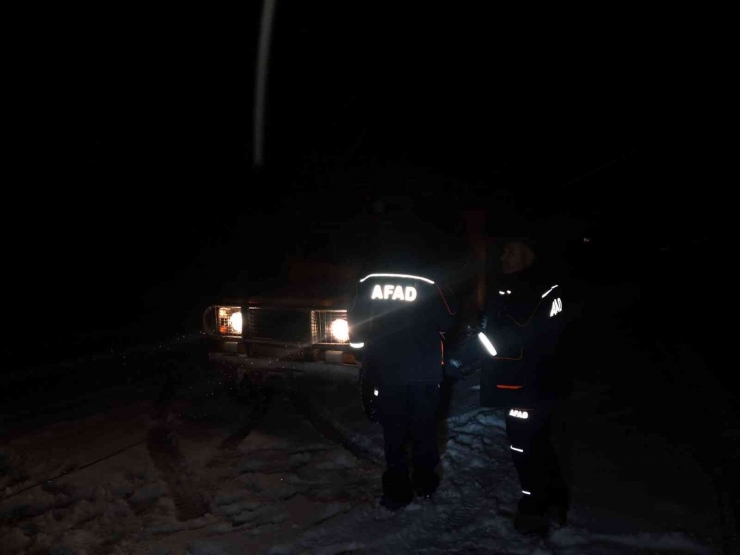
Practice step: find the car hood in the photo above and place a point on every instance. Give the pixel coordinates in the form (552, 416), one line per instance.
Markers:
(312, 285)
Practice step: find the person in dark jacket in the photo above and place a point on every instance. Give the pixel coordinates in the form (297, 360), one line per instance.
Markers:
(522, 373)
(398, 320)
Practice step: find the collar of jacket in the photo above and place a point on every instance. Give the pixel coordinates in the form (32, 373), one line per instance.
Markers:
(535, 277)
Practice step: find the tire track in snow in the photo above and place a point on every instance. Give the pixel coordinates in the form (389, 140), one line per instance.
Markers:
(188, 490)
(321, 420)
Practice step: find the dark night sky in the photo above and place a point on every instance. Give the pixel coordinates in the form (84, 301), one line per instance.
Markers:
(136, 134)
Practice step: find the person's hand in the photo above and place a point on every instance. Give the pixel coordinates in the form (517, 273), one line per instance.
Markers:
(478, 325)
(453, 370)
(368, 397)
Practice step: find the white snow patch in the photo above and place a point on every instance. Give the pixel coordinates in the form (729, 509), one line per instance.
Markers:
(287, 489)
(670, 541)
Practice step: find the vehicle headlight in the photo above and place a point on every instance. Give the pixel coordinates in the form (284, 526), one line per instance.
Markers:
(235, 321)
(340, 329)
(229, 320)
(329, 327)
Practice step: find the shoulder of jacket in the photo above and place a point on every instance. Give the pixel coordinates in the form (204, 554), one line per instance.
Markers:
(389, 276)
(550, 288)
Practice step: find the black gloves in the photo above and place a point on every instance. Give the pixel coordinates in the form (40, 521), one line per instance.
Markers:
(368, 397)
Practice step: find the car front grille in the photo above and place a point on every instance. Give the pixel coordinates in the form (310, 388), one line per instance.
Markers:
(275, 324)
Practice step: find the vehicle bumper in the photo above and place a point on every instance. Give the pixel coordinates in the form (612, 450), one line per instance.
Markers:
(239, 365)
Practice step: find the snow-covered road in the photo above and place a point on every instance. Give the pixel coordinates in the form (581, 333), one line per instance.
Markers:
(296, 469)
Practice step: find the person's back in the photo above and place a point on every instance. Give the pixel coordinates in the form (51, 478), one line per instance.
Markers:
(398, 318)
(397, 321)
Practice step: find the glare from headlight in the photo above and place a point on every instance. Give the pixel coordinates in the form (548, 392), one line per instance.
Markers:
(236, 321)
(340, 330)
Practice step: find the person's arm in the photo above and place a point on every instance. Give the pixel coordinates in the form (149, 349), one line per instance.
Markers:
(357, 320)
(500, 338)
(549, 323)
(446, 311)
(540, 331)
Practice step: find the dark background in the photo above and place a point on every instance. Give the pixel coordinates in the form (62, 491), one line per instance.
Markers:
(137, 203)
(131, 202)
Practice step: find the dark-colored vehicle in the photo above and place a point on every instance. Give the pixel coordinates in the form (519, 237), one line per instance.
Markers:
(299, 326)
(298, 321)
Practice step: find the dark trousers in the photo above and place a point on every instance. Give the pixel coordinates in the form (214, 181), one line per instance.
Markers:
(409, 410)
(540, 476)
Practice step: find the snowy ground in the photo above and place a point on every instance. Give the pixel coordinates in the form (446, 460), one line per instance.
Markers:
(296, 469)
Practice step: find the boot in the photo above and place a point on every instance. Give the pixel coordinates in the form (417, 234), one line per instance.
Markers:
(425, 483)
(397, 491)
(559, 504)
(531, 516)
